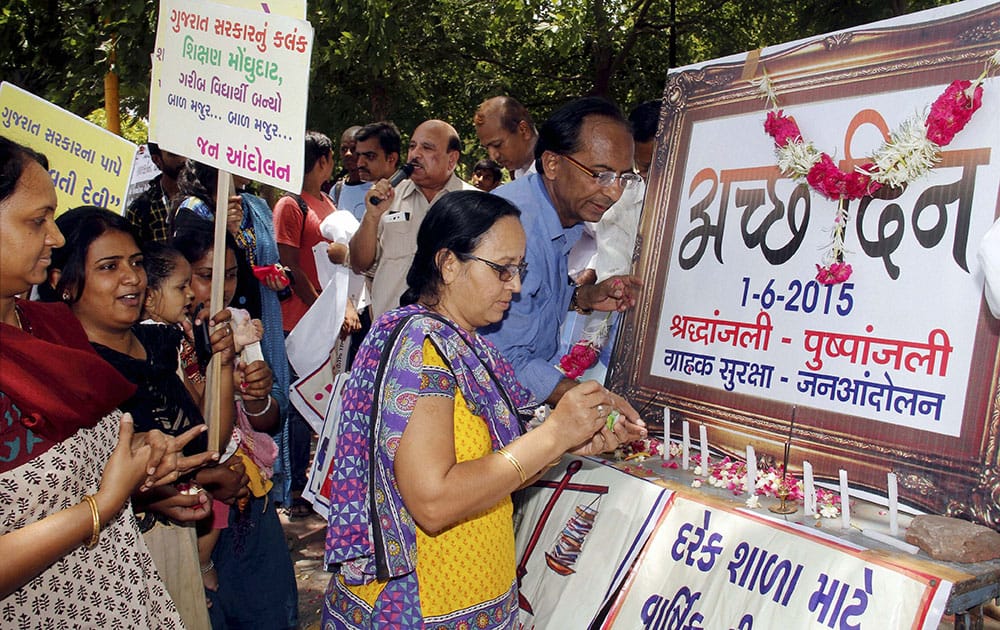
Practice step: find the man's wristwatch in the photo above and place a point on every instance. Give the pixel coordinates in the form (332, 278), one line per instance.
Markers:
(575, 305)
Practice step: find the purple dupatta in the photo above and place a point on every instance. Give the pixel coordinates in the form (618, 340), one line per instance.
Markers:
(371, 534)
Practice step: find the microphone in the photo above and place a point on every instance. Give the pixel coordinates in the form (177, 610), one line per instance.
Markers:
(404, 171)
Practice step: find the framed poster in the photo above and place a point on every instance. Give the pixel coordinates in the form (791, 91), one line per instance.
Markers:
(894, 369)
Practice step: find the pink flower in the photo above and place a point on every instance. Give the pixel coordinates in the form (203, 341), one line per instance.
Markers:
(860, 184)
(952, 111)
(834, 274)
(581, 357)
(782, 128)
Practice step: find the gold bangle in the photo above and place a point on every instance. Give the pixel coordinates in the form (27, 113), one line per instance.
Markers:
(96, 534)
(513, 462)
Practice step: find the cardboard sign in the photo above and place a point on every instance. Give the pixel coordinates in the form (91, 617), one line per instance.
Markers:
(230, 88)
(709, 567)
(89, 165)
(580, 528)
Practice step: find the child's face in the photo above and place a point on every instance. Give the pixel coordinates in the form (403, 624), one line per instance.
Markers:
(171, 300)
(201, 278)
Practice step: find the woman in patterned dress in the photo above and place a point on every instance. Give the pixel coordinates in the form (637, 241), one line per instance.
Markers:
(72, 553)
(421, 515)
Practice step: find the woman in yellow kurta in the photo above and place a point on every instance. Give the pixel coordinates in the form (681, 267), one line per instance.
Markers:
(430, 444)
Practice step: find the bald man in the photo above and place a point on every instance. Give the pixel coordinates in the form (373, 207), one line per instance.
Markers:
(387, 238)
(505, 129)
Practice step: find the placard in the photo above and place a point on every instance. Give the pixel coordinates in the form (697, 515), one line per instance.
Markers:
(894, 369)
(230, 88)
(709, 567)
(580, 527)
(89, 165)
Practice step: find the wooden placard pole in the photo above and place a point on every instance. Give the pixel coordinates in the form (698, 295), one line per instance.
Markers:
(213, 382)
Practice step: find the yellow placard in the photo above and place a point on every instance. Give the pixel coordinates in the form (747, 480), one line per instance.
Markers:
(89, 165)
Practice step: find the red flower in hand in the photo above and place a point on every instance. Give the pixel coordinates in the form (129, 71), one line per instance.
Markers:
(581, 357)
(952, 111)
(782, 128)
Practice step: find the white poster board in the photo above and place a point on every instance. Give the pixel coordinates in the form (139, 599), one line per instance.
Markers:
(230, 89)
(709, 567)
(580, 528)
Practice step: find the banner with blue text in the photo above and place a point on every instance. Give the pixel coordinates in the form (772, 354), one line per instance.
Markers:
(707, 567)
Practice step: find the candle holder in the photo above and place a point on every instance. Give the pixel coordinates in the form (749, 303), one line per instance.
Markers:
(783, 506)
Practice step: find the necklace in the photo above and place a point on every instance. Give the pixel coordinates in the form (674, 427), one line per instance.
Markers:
(22, 323)
(911, 151)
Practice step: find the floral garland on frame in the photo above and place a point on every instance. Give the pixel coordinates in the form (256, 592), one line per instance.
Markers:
(911, 151)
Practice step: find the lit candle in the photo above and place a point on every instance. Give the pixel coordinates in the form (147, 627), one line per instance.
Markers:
(751, 471)
(808, 488)
(686, 445)
(845, 505)
(893, 504)
(703, 445)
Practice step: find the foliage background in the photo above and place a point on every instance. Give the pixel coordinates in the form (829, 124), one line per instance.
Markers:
(410, 60)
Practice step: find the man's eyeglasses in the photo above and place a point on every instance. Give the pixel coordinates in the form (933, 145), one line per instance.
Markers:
(606, 179)
(505, 272)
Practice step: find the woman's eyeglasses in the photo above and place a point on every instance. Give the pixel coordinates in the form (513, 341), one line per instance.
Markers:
(605, 179)
(505, 272)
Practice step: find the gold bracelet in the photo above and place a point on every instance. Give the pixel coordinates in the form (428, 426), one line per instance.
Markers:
(96, 534)
(513, 462)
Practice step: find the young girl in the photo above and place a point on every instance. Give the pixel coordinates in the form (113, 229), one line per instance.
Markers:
(256, 579)
(168, 303)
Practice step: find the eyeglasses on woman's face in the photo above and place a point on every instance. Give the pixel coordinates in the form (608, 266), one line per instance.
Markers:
(606, 179)
(506, 273)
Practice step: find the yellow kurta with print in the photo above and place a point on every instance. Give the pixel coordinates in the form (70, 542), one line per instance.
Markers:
(473, 561)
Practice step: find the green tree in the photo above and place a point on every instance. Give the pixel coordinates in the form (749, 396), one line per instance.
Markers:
(408, 61)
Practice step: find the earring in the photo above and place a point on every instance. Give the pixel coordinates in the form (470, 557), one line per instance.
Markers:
(65, 296)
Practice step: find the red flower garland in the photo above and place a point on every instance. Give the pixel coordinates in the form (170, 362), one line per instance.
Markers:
(948, 115)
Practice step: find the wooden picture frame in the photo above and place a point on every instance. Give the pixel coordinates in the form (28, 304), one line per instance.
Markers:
(715, 113)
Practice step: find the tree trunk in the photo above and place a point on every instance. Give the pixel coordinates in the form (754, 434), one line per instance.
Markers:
(112, 102)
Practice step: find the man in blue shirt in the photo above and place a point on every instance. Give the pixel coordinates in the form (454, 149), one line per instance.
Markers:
(584, 158)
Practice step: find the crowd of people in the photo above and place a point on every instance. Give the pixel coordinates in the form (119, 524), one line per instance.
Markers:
(117, 512)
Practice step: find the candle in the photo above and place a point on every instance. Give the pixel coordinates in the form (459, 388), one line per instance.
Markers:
(703, 445)
(808, 488)
(889, 540)
(751, 471)
(686, 445)
(893, 504)
(845, 505)
(667, 441)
